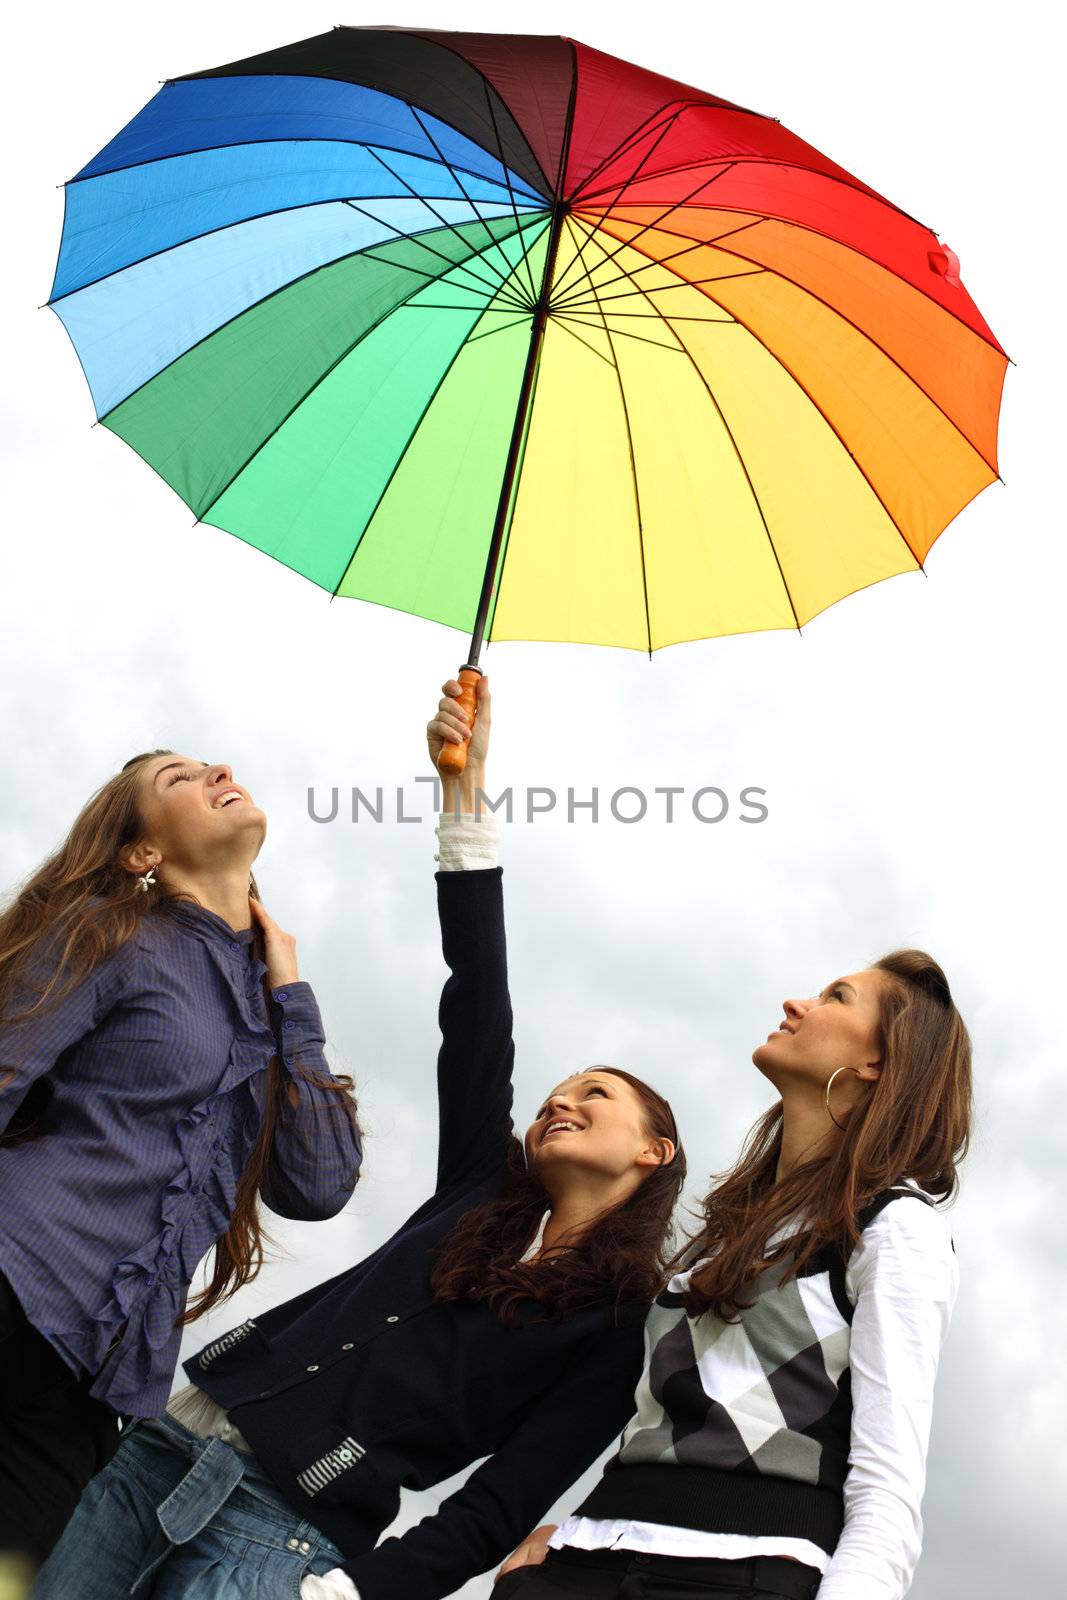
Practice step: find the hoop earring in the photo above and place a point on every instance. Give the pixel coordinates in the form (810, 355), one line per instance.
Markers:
(826, 1097)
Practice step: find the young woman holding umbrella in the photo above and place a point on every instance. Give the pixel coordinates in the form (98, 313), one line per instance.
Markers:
(503, 1320)
(779, 1441)
(161, 1071)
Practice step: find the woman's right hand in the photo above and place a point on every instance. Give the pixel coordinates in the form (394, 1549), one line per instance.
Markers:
(531, 1552)
(450, 725)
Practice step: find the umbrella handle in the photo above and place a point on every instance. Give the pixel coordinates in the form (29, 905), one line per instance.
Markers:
(453, 757)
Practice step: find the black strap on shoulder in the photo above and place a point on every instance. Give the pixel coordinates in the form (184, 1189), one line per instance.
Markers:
(878, 1204)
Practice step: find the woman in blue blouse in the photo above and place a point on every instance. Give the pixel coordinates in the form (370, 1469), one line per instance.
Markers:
(500, 1325)
(161, 1070)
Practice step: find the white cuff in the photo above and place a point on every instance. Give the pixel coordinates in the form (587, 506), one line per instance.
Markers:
(333, 1585)
(467, 842)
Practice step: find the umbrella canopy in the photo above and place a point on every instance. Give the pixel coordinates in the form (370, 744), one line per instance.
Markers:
(517, 336)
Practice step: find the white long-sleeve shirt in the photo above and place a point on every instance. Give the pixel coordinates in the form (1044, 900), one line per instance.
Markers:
(902, 1279)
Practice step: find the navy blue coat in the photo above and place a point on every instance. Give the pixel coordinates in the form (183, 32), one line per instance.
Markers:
(363, 1384)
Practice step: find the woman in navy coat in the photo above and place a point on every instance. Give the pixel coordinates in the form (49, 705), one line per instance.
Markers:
(503, 1321)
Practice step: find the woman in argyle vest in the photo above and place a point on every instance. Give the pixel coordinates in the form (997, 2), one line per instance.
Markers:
(779, 1441)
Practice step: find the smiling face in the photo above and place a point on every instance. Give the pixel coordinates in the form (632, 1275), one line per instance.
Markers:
(195, 817)
(840, 1027)
(594, 1122)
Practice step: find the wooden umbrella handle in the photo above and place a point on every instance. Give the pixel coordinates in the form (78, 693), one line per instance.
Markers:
(453, 757)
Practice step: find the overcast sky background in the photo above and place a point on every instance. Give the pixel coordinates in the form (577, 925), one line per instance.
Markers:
(909, 742)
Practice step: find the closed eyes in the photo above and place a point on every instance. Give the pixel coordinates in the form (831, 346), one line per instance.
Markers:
(594, 1088)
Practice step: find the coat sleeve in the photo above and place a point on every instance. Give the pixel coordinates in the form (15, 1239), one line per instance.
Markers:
(564, 1431)
(477, 1054)
(31, 1046)
(317, 1150)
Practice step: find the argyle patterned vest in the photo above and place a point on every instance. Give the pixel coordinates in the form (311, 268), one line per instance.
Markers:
(751, 1418)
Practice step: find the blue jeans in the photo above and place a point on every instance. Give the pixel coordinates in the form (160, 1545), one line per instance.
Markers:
(176, 1516)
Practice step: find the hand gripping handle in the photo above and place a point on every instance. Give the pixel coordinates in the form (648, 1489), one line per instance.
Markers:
(453, 757)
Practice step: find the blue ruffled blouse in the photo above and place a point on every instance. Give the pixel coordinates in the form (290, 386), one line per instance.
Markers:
(156, 1067)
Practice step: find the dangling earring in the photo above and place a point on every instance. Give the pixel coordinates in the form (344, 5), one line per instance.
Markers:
(147, 879)
(829, 1084)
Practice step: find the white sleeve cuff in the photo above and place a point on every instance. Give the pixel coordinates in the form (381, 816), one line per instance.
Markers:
(467, 842)
(333, 1585)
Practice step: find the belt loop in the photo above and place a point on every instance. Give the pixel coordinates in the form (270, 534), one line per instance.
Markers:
(205, 1487)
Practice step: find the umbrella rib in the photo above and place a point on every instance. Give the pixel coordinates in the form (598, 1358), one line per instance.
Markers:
(585, 319)
(309, 392)
(562, 324)
(837, 435)
(336, 261)
(238, 144)
(609, 256)
(740, 458)
(791, 222)
(633, 466)
(495, 282)
(576, 259)
(417, 239)
(847, 180)
(444, 159)
(401, 458)
(473, 65)
(507, 175)
(775, 272)
(503, 328)
(699, 244)
(643, 127)
(259, 216)
(682, 283)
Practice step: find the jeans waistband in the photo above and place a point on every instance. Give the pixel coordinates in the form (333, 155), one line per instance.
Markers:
(762, 1574)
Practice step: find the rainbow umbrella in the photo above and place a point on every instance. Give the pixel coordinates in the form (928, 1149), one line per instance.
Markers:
(511, 334)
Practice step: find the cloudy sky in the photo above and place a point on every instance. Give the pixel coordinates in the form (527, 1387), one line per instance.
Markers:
(908, 743)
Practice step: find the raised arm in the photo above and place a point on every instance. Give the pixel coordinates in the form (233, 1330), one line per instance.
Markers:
(476, 1058)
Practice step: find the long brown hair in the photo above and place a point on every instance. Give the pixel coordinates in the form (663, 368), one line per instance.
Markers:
(84, 905)
(915, 1123)
(621, 1257)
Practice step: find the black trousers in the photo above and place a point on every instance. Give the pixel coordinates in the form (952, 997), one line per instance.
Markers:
(53, 1436)
(626, 1575)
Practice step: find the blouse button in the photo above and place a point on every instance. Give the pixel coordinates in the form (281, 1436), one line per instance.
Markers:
(392, 1319)
(313, 1367)
(305, 1546)
(234, 945)
(294, 1544)
(347, 1347)
(283, 994)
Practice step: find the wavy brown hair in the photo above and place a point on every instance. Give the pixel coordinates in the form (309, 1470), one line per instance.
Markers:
(915, 1123)
(620, 1257)
(82, 906)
